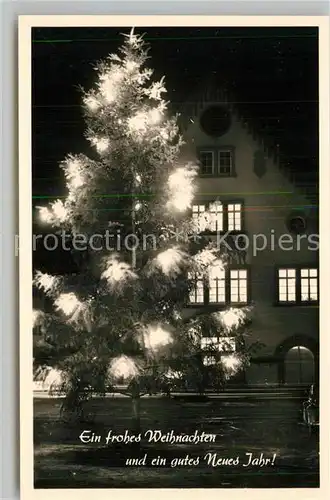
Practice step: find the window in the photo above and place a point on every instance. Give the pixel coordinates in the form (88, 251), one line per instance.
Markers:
(297, 224)
(215, 120)
(221, 344)
(196, 295)
(207, 162)
(218, 162)
(309, 285)
(216, 216)
(221, 287)
(238, 286)
(234, 217)
(217, 285)
(287, 285)
(209, 360)
(225, 162)
(297, 286)
(227, 344)
(199, 217)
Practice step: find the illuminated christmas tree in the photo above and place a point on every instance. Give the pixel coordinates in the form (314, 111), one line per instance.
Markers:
(119, 323)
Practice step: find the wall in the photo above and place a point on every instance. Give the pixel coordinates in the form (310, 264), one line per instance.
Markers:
(268, 201)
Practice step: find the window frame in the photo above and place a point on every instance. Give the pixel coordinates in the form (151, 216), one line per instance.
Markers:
(211, 150)
(298, 302)
(216, 306)
(216, 150)
(225, 203)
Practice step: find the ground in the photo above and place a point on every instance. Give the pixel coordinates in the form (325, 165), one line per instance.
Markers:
(267, 426)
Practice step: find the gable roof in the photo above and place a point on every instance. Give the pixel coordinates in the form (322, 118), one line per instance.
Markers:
(210, 90)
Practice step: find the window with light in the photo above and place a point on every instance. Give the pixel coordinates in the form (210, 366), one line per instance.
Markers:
(216, 216)
(309, 285)
(234, 211)
(287, 281)
(196, 295)
(199, 217)
(238, 286)
(217, 285)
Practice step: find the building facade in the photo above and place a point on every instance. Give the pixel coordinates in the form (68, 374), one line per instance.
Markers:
(257, 208)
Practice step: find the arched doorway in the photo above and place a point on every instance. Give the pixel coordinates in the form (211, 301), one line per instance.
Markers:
(297, 360)
(299, 366)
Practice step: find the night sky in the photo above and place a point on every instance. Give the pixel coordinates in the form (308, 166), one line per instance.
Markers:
(273, 73)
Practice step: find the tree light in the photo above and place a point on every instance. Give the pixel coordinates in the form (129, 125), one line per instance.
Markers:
(46, 282)
(67, 303)
(59, 210)
(231, 363)
(182, 187)
(155, 116)
(45, 214)
(131, 65)
(74, 173)
(207, 257)
(92, 103)
(138, 122)
(116, 272)
(101, 143)
(156, 336)
(170, 260)
(231, 318)
(110, 83)
(123, 367)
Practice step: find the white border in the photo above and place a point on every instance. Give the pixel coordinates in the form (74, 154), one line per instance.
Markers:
(25, 253)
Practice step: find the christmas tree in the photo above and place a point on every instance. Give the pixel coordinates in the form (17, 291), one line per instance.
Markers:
(119, 323)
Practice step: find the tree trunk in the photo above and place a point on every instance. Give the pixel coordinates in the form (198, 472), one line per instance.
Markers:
(136, 421)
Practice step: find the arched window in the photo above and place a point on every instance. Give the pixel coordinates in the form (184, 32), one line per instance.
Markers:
(299, 366)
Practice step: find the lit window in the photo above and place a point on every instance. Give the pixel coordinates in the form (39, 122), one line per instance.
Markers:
(238, 286)
(216, 216)
(227, 344)
(217, 285)
(199, 217)
(208, 341)
(221, 344)
(209, 360)
(196, 295)
(207, 162)
(309, 285)
(225, 162)
(287, 285)
(234, 217)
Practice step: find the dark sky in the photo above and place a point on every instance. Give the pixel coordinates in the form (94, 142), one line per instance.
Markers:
(273, 73)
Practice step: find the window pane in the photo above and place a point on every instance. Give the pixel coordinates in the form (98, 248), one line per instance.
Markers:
(227, 344)
(313, 272)
(282, 273)
(291, 273)
(207, 162)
